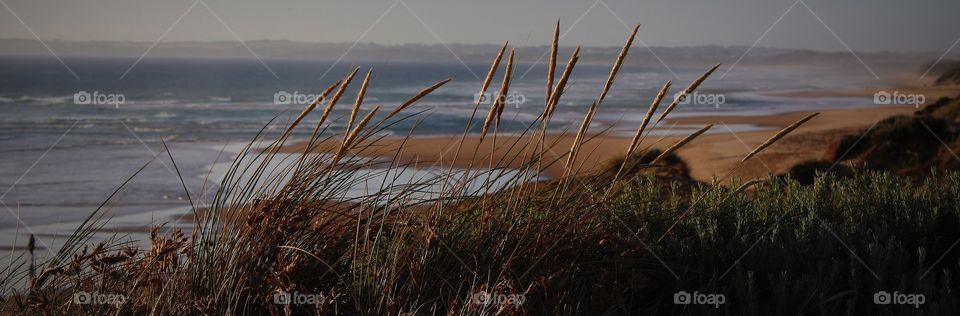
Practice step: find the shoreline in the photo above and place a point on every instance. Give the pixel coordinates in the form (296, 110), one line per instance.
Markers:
(711, 155)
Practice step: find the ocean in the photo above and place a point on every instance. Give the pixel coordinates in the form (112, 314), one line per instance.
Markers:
(67, 142)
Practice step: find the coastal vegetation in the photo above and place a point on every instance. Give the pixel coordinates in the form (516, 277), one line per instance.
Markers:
(633, 237)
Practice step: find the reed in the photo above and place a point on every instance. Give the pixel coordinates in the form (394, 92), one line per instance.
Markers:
(497, 105)
(416, 98)
(319, 99)
(693, 86)
(488, 121)
(336, 96)
(562, 84)
(504, 87)
(360, 95)
(552, 64)
(773, 139)
(578, 140)
(588, 118)
(310, 107)
(352, 135)
(680, 144)
(646, 118)
(617, 64)
(492, 72)
(483, 90)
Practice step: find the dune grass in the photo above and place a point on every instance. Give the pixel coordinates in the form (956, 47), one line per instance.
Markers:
(622, 241)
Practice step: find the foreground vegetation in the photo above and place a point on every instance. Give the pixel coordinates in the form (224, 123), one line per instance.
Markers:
(283, 236)
(778, 248)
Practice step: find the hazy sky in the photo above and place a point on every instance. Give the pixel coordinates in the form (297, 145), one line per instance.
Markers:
(864, 25)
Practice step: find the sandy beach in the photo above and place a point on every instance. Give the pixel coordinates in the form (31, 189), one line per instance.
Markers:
(712, 155)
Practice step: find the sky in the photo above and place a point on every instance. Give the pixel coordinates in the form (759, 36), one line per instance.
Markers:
(829, 25)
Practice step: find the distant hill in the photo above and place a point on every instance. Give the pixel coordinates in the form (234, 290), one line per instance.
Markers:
(471, 53)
